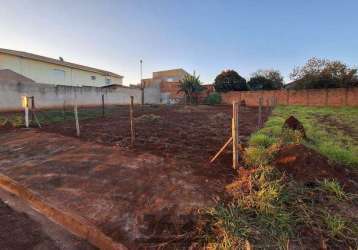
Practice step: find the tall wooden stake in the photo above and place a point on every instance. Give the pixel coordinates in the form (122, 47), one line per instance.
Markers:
(32, 108)
(131, 121)
(77, 123)
(27, 117)
(64, 110)
(235, 135)
(102, 105)
(259, 122)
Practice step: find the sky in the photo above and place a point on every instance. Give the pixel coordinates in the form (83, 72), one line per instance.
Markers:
(203, 36)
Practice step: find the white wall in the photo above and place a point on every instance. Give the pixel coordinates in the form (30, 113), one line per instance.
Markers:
(43, 72)
(50, 96)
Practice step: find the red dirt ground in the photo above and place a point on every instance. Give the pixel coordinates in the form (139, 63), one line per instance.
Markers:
(30, 230)
(307, 165)
(143, 196)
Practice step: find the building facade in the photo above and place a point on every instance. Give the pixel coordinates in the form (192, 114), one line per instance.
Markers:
(47, 70)
(169, 83)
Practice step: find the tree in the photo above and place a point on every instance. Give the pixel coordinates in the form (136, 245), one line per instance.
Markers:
(322, 73)
(266, 80)
(230, 80)
(190, 85)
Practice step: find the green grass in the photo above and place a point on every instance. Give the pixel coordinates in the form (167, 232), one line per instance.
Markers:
(55, 116)
(276, 208)
(335, 142)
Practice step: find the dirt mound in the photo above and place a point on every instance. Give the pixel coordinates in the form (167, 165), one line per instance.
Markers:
(294, 124)
(306, 165)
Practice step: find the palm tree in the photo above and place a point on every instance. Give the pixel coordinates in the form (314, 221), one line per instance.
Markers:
(190, 85)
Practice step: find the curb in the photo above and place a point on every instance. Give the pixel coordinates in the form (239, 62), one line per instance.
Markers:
(74, 224)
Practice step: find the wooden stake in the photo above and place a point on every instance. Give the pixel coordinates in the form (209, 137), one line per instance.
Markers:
(37, 120)
(64, 110)
(221, 150)
(102, 105)
(77, 123)
(33, 114)
(235, 135)
(131, 121)
(32, 108)
(27, 117)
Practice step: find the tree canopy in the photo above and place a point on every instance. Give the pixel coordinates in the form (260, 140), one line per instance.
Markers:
(189, 85)
(266, 80)
(323, 73)
(230, 80)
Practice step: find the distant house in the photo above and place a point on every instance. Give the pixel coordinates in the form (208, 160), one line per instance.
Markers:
(42, 69)
(169, 83)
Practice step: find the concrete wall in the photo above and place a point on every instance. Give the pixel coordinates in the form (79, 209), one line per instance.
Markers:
(50, 96)
(43, 72)
(310, 97)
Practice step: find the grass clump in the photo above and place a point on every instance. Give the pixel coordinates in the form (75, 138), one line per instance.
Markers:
(260, 139)
(333, 187)
(335, 224)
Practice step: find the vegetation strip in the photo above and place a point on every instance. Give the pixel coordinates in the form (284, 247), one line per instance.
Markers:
(74, 224)
(271, 208)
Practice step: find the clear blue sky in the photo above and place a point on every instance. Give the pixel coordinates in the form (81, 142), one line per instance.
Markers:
(206, 36)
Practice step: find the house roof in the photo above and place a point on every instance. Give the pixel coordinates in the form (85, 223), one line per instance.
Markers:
(11, 76)
(57, 62)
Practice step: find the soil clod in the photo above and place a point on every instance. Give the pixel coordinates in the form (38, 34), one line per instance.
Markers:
(294, 124)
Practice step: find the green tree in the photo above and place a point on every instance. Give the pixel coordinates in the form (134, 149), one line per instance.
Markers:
(190, 85)
(230, 80)
(266, 80)
(322, 73)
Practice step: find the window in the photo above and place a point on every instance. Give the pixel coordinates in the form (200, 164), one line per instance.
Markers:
(58, 76)
(170, 79)
(93, 78)
(108, 81)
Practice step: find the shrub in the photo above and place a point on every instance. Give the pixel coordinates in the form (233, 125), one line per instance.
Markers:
(230, 80)
(213, 99)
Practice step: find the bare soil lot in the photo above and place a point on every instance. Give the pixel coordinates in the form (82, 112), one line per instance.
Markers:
(24, 228)
(144, 196)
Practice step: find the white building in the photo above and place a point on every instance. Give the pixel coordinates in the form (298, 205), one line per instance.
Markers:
(52, 71)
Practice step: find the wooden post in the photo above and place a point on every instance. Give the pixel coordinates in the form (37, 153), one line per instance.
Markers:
(77, 123)
(27, 117)
(32, 108)
(64, 110)
(131, 121)
(102, 105)
(259, 122)
(221, 150)
(235, 135)
(25, 105)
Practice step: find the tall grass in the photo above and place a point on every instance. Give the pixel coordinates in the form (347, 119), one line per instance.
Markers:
(332, 141)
